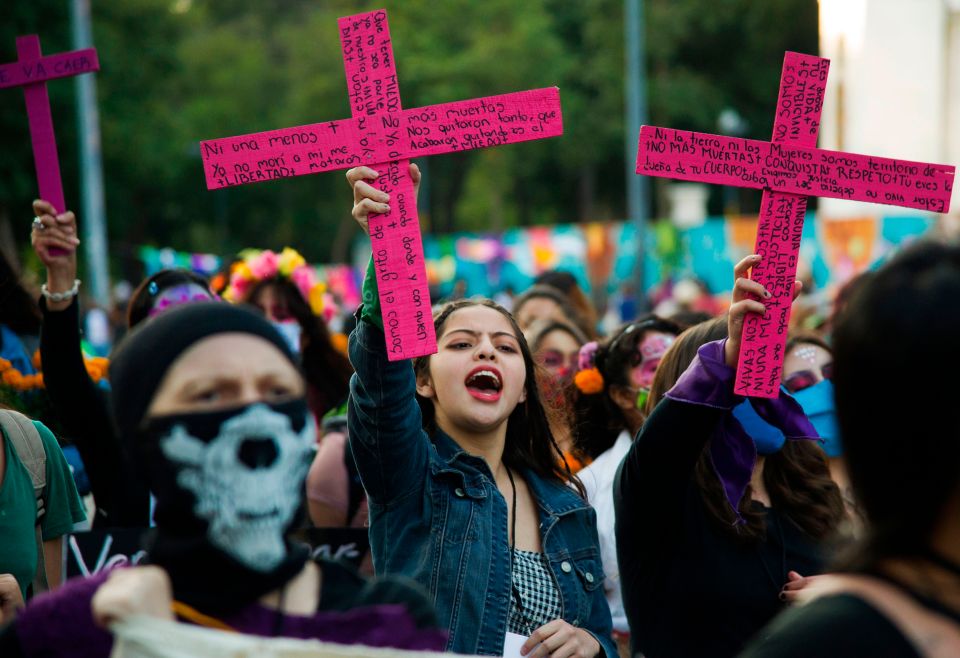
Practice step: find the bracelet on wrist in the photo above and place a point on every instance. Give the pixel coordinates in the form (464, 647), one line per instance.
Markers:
(61, 296)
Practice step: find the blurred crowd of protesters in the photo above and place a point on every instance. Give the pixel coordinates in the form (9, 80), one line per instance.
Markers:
(703, 515)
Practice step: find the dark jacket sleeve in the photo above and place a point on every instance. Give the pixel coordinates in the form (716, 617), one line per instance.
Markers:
(83, 410)
(385, 426)
(652, 484)
(651, 487)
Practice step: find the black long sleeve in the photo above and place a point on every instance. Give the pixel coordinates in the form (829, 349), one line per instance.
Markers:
(83, 409)
(691, 587)
(10, 641)
(652, 485)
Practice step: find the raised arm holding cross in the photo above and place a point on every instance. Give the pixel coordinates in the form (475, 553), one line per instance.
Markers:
(384, 136)
(788, 169)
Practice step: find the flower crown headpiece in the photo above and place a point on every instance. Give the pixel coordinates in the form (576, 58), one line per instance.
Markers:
(258, 266)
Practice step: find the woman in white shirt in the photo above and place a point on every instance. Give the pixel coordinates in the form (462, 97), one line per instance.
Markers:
(612, 383)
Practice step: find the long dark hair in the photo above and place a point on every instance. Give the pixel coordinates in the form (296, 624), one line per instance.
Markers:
(18, 309)
(325, 368)
(599, 419)
(145, 296)
(529, 441)
(903, 457)
(796, 477)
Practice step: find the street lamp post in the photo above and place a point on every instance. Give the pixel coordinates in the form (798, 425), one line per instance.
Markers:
(638, 187)
(92, 219)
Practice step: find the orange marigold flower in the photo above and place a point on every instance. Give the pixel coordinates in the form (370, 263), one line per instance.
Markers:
(218, 282)
(11, 376)
(97, 367)
(589, 381)
(4, 365)
(339, 342)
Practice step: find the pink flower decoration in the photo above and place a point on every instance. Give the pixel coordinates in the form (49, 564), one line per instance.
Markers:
(238, 286)
(264, 265)
(303, 278)
(330, 309)
(587, 356)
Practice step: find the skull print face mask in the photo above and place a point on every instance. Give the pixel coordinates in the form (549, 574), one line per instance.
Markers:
(229, 484)
(246, 478)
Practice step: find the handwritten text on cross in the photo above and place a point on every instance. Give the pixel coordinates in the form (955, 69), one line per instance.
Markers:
(788, 169)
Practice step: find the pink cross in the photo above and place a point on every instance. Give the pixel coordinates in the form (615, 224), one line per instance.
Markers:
(31, 71)
(788, 169)
(382, 135)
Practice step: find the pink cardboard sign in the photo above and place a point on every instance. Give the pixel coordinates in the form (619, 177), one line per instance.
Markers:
(31, 71)
(803, 84)
(384, 136)
(394, 236)
(788, 169)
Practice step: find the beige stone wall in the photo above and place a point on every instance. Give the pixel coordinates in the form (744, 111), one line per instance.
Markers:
(894, 86)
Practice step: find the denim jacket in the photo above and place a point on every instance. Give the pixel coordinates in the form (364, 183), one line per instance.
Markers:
(437, 516)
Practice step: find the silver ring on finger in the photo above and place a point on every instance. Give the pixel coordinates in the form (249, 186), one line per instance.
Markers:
(38, 224)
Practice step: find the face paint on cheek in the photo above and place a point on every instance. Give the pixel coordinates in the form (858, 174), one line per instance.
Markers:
(642, 375)
(651, 349)
(655, 346)
(551, 359)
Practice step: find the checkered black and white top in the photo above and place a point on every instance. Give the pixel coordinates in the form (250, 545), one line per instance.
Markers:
(538, 593)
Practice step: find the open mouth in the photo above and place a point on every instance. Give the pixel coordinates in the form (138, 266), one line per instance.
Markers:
(484, 383)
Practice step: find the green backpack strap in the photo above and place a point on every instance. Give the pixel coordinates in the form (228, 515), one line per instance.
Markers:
(28, 445)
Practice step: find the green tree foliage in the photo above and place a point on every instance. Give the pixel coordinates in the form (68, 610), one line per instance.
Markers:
(178, 71)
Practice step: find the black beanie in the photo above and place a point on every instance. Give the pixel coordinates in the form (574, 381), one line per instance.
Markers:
(140, 362)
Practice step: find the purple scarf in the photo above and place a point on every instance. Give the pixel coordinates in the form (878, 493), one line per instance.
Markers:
(708, 381)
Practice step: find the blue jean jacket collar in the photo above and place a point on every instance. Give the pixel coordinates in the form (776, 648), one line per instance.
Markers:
(553, 498)
(458, 463)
